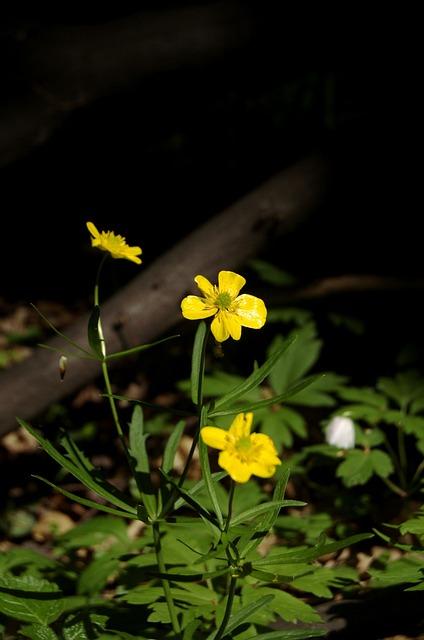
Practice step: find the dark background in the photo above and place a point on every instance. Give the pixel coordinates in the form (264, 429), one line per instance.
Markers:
(158, 156)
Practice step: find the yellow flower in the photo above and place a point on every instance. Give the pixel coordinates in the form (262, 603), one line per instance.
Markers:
(243, 454)
(231, 311)
(114, 244)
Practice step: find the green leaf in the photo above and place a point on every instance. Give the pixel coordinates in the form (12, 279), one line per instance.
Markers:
(404, 388)
(94, 339)
(198, 488)
(30, 599)
(139, 348)
(139, 455)
(306, 555)
(381, 462)
(198, 363)
(301, 357)
(38, 632)
(283, 604)
(172, 446)
(94, 577)
(292, 391)
(321, 579)
(408, 569)
(94, 532)
(247, 612)
(289, 315)
(259, 510)
(291, 634)
(363, 396)
(209, 481)
(91, 504)
(271, 274)
(90, 479)
(189, 499)
(249, 542)
(318, 393)
(255, 378)
(357, 468)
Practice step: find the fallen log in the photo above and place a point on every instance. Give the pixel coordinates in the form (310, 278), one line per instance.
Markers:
(150, 304)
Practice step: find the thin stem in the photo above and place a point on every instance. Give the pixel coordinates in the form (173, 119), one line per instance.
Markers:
(165, 583)
(417, 474)
(230, 505)
(200, 412)
(394, 487)
(228, 608)
(402, 456)
(105, 372)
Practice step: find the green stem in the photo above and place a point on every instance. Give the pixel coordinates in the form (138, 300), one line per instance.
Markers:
(105, 372)
(402, 457)
(230, 506)
(165, 583)
(183, 476)
(394, 487)
(417, 474)
(228, 608)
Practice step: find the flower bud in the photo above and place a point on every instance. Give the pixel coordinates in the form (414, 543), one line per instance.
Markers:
(340, 432)
(63, 361)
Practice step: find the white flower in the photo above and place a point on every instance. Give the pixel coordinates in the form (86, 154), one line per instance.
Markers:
(340, 432)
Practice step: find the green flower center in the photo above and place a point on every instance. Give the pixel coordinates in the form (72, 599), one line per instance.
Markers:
(223, 300)
(244, 444)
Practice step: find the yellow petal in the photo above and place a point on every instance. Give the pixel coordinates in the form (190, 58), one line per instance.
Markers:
(241, 425)
(262, 470)
(219, 327)
(214, 437)
(92, 229)
(251, 311)
(205, 286)
(230, 282)
(195, 308)
(238, 470)
(233, 324)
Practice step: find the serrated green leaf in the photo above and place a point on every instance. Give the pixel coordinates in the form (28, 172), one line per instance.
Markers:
(363, 396)
(357, 468)
(405, 570)
(291, 634)
(283, 604)
(255, 378)
(172, 446)
(38, 632)
(321, 579)
(94, 532)
(30, 599)
(381, 462)
(94, 577)
(94, 339)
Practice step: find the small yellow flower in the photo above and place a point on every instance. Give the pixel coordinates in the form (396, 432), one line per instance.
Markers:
(114, 244)
(231, 311)
(243, 454)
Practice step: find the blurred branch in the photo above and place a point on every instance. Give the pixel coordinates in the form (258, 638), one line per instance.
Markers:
(349, 283)
(68, 67)
(150, 304)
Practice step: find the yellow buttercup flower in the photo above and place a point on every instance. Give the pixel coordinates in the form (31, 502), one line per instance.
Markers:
(231, 311)
(243, 454)
(114, 244)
